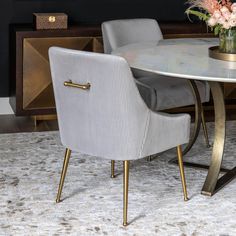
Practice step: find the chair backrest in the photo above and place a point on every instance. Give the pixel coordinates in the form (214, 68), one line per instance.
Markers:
(117, 33)
(107, 120)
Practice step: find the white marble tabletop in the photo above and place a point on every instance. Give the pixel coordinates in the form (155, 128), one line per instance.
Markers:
(183, 58)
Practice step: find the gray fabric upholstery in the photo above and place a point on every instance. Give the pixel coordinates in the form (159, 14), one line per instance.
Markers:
(159, 92)
(111, 119)
(165, 93)
(117, 33)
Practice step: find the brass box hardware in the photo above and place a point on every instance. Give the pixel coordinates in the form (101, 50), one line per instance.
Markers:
(80, 86)
(50, 21)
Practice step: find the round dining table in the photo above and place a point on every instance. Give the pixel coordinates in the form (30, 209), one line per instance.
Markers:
(189, 59)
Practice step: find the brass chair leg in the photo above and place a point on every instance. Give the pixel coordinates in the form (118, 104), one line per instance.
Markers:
(126, 187)
(205, 128)
(112, 169)
(181, 168)
(63, 174)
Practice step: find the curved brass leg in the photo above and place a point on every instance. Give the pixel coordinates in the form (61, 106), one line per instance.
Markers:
(218, 146)
(205, 128)
(63, 174)
(197, 124)
(112, 169)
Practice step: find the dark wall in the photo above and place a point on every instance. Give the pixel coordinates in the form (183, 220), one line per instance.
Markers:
(80, 11)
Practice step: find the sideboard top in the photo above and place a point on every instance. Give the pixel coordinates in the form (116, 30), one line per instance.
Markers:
(166, 27)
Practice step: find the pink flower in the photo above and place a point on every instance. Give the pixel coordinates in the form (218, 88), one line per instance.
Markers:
(221, 20)
(217, 14)
(212, 21)
(225, 12)
(226, 25)
(233, 16)
(232, 22)
(233, 7)
(227, 15)
(226, 3)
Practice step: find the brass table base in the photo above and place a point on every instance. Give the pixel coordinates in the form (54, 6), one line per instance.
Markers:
(213, 183)
(198, 111)
(195, 165)
(222, 181)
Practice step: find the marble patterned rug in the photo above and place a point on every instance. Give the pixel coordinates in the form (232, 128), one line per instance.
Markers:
(30, 165)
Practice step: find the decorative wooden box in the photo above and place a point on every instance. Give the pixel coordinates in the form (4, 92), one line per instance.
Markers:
(50, 21)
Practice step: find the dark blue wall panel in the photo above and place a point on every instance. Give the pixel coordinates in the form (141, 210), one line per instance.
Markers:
(80, 11)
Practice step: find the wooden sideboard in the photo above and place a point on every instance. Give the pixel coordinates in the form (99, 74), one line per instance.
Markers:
(31, 85)
(30, 82)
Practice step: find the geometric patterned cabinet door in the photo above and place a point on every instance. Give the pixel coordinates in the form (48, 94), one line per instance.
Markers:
(31, 84)
(37, 83)
(230, 91)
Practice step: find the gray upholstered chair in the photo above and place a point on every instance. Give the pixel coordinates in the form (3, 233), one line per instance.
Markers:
(101, 113)
(159, 92)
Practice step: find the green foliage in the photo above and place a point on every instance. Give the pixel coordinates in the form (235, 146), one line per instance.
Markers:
(205, 17)
(200, 15)
(217, 29)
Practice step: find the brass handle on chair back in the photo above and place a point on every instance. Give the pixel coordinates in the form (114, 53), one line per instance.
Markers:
(74, 85)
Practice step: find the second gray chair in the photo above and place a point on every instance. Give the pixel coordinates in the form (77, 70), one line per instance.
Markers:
(159, 92)
(101, 113)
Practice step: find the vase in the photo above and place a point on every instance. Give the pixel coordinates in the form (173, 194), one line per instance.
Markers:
(228, 41)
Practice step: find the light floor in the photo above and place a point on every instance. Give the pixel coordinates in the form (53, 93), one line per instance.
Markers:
(30, 165)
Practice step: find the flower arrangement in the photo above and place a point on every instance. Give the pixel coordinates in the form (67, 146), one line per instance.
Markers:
(220, 15)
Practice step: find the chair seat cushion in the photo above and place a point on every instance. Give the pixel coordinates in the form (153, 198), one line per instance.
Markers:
(163, 92)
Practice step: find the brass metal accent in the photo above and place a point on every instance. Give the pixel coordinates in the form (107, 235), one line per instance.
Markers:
(225, 179)
(98, 45)
(37, 83)
(212, 183)
(198, 109)
(181, 169)
(204, 127)
(229, 92)
(51, 19)
(219, 142)
(216, 54)
(112, 169)
(199, 118)
(74, 85)
(48, 21)
(126, 187)
(39, 118)
(63, 174)
(196, 165)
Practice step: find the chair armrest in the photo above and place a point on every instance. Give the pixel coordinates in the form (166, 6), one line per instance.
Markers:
(148, 94)
(139, 83)
(166, 131)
